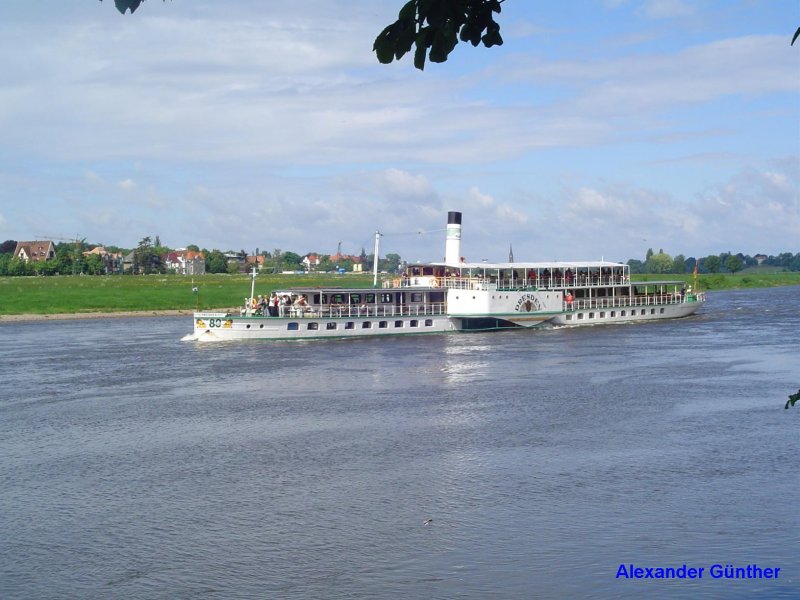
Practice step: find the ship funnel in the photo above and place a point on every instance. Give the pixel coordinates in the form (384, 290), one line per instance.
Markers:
(452, 247)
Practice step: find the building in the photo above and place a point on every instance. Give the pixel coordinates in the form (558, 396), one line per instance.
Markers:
(311, 262)
(185, 262)
(35, 251)
(256, 261)
(112, 261)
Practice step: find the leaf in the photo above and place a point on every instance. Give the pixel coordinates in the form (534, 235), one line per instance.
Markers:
(384, 44)
(793, 398)
(123, 5)
(419, 55)
(409, 10)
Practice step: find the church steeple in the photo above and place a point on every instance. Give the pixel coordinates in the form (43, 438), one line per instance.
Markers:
(510, 253)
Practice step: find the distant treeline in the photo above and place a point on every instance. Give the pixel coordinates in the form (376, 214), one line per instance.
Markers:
(661, 262)
(147, 257)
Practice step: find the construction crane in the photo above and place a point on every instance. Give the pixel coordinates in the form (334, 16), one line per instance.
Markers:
(77, 241)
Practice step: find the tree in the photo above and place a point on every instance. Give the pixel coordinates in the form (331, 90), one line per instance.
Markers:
(635, 266)
(437, 25)
(712, 263)
(679, 264)
(733, 263)
(216, 262)
(292, 261)
(391, 263)
(659, 263)
(8, 247)
(145, 259)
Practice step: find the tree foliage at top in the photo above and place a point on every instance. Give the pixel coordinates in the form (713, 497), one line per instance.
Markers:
(434, 27)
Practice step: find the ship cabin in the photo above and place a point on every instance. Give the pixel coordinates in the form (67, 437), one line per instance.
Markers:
(519, 276)
(340, 302)
(589, 283)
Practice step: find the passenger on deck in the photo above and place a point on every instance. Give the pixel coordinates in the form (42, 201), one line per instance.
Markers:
(273, 305)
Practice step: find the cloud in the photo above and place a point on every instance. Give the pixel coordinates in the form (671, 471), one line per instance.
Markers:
(403, 185)
(667, 9)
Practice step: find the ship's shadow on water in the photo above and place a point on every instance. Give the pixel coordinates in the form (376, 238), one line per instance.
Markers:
(512, 464)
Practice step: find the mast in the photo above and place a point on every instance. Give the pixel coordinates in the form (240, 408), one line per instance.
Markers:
(253, 285)
(375, 259)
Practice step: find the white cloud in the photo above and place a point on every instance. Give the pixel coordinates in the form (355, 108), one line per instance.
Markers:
(667, 9)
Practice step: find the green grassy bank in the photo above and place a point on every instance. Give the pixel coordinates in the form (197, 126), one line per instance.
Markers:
(66, 294)
(114, 293)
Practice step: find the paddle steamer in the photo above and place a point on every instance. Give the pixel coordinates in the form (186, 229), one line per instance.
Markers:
(456, 295)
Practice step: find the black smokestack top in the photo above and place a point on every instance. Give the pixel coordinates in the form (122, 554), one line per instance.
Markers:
(454, 218)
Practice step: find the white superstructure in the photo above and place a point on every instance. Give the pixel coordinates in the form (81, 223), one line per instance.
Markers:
(455, 295)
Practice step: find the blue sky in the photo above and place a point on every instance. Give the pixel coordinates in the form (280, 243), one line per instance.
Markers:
(598, 130)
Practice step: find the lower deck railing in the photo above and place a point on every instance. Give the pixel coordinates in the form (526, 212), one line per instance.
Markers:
(316, 312)
(621, 302)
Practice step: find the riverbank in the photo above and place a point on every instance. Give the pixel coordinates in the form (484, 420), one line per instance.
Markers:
(92, 315)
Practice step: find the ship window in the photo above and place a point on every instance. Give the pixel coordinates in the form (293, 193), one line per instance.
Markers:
(416, 297)
(569, 317)
(580, 315)
(349, 325)
(591, 315)
(313, 326)
(398, 323)
(436, 296)
(247, 326)
(355, 298)
(644, 312)
(661, 310)
(383, 324)
(366, 325)
(652, 311)
(330, 325)
(613, 314)
(370, 298)
(387, 298)
(414, 323)
(293, 326)
(602, 315)
(428, 322)
(337, 299)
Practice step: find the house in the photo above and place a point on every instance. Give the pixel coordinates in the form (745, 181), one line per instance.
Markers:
(112, 261)
(345, 257)
(185, 262)
(760, 258)
(311, 262)
(256, 261)
(35, 251)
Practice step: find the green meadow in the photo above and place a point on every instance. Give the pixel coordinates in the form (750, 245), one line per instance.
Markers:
(114, 293)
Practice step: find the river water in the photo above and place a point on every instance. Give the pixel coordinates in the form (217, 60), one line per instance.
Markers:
(134, 465)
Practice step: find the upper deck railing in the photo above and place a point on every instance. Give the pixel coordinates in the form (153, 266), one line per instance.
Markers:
(509, 284)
